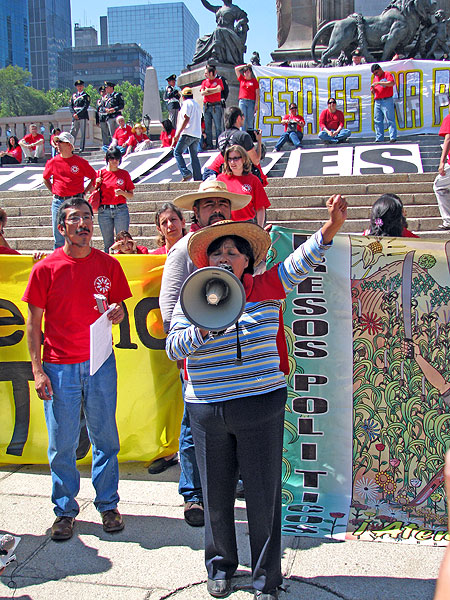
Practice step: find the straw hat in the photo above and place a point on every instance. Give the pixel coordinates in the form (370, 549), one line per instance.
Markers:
(200, 241)
(141, 125)
(212, 189)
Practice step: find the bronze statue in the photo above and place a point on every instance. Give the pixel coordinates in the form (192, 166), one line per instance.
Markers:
(396, 27)
(226, 44)
(437, 37)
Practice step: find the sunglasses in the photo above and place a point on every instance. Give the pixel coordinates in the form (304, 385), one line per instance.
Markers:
(234, 158)
(332, 102)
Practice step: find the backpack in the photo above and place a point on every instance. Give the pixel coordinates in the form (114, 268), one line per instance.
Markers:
(226, 90)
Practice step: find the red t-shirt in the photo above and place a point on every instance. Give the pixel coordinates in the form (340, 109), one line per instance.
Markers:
(30, 139)
(5, 250)
(380, 90)
(64, 287)
(445, 129)
(246, 184)
(115, 180)
(122, 135)
(16, 152)
(331, 120)
(68, 174)
(300, 121)
(166, 138)
(247, 88)
(211, 83)
(160, 250)
(142, 250)
(136, 139)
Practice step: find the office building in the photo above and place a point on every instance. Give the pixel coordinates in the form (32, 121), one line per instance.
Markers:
(50, 32)
(85, 36)
(166, 31)
(14, 35)
(96, 64)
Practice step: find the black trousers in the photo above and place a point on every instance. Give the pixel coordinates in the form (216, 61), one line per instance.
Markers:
(8, 160)
(241, 436)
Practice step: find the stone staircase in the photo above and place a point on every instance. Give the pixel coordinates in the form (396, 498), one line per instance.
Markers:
(298, 203)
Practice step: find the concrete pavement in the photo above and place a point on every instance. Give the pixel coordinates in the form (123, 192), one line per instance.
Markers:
(158, 556)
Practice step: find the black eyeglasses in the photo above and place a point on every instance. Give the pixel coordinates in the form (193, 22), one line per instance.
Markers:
(292, 107)
(332, 102)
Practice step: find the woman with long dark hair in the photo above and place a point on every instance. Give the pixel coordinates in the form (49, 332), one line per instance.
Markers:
(13, 153)
(387, 218)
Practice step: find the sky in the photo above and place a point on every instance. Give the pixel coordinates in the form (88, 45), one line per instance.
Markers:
(262, 19)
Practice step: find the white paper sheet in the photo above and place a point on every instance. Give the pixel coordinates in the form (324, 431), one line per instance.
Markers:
(101, 342)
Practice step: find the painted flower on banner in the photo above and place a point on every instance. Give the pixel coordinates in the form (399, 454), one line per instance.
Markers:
(372, 428)
(371, 323)
(383, 478)
(394, 462)
(366, 489)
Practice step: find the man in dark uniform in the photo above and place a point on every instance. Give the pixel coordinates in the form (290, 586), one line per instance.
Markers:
(79, 104)
(100, 116)
(172, 97)
(114, 104)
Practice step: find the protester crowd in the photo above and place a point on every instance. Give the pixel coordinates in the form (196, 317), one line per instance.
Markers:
(225, 430)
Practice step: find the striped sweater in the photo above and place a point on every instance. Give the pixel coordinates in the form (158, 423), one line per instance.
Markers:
(213, 375)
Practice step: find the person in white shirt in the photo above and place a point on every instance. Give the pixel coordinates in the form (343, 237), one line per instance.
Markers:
(187, 135)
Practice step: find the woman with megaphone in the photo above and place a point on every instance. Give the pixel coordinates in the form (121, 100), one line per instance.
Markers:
(236, 403)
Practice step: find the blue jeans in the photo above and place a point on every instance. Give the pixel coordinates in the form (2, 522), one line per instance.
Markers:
(384, 109)
(112, 217)
(213, 112)
(340, 137)
(59, 239)
(190, 142)
(189, 486)
(295, 137)
(248, 108)
(71, 385)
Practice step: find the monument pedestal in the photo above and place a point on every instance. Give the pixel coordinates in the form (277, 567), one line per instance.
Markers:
(194, 76)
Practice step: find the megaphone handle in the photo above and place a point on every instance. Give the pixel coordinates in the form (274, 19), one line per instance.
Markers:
(238, 360)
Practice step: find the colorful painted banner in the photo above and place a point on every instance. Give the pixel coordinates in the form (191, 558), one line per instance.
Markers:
(374, 316)
(420, 96)
(367, 418)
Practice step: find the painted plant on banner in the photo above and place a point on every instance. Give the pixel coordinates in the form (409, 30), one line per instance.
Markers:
(401, 389)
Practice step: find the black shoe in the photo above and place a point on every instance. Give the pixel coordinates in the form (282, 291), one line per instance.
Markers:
(29, 160)
(444, 227)
(219, 588)
(34, 160)
(160, 465)
(194, 514)
(392, 141)
(240, 492)
(273, 595)
(379, 141)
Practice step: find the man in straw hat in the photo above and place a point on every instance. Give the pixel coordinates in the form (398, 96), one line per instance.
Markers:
(211, 203)
(236, 393)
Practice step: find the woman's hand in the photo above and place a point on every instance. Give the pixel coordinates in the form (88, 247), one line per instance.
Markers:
(119, 192)
(337, 209)
(98, 182)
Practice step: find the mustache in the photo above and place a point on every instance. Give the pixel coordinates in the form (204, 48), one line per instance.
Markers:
(214, 216)
(80, 229)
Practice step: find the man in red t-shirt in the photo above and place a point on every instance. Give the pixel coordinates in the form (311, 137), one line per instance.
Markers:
(382, 88)
(33, 145)
(62, 289)
(441, 184)
(4, 246)
(293, 128)
(120, 136)
(64, 176)
(211, 89)
(331, 123)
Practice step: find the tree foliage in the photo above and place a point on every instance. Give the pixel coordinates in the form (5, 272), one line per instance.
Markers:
(18, 98)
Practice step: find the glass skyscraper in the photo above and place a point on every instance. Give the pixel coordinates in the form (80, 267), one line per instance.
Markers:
(166, 31)
(50, 32)
(14, 36)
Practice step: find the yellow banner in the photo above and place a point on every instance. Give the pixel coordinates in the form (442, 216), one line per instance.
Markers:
(149, 407)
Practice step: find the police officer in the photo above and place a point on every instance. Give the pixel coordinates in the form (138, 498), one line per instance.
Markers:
(79, 104)
(100, 116)
(114, 104)
(172, 97)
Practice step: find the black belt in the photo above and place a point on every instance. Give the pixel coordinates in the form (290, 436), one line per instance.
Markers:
(213, 103)
(66, 197)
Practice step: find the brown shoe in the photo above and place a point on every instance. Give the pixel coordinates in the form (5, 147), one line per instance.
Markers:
(62, 529)
(194, 514)
(112, 521)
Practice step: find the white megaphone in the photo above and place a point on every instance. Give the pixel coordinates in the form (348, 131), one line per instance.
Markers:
(212, 298)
